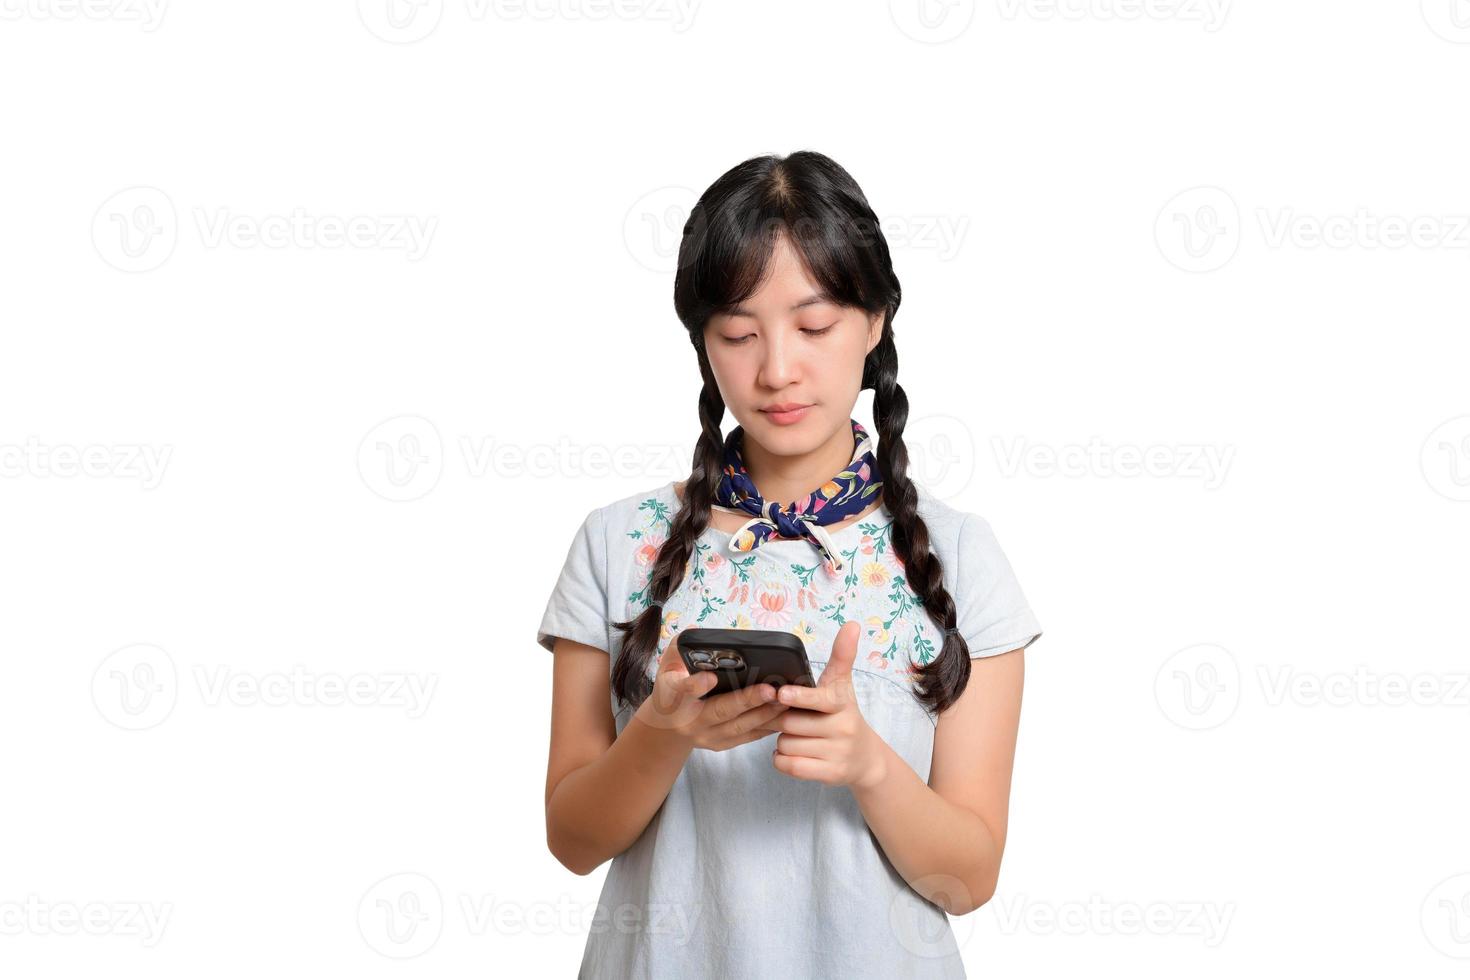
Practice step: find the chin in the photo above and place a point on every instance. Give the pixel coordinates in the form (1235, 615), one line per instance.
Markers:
(804, 435)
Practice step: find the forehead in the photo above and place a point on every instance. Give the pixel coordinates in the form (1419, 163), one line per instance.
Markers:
(786, 286)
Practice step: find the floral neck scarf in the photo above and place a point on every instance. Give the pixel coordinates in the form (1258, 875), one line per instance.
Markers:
(844, 495)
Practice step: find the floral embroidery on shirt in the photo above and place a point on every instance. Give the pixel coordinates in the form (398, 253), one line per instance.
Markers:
(737, 593)
(650, 537)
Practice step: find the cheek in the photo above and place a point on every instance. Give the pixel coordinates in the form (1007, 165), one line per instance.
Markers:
(730, 368)
(858, 335)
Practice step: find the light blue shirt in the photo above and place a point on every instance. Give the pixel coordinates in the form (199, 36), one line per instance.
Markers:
(744, 871)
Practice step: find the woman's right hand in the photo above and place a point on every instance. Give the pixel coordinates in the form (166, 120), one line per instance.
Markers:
(718, 723)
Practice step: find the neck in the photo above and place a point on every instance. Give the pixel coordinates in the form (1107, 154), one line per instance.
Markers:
(785, 479)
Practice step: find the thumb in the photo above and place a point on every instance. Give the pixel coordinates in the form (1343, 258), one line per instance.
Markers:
(844, 652)
(670, 662)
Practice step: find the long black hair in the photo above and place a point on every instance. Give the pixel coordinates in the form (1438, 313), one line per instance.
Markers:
(727, 243)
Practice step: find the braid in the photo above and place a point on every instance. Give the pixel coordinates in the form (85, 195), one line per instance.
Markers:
(943, 679)
(641, 633)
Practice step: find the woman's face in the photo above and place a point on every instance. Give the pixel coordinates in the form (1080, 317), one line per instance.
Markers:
(789, 345)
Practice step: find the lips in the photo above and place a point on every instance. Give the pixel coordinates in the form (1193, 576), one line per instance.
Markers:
(784, 415)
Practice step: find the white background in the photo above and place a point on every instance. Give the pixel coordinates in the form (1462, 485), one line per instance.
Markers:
(1183, 231)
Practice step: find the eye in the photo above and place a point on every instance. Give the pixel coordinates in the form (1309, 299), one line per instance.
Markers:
(736, 341)
(818, 333)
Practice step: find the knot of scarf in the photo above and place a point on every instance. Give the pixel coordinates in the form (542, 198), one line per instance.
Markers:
(846, 494)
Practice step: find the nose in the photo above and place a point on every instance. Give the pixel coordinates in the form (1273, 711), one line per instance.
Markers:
(778, 367)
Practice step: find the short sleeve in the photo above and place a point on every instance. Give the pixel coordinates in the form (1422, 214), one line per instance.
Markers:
(577, 609)
(992, 612)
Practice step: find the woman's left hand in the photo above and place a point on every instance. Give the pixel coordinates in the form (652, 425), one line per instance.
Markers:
(825, 737)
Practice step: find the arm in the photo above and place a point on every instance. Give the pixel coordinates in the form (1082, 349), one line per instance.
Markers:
(946, 838)
(602, 788)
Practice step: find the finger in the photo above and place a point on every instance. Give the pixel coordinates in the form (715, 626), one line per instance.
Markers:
(672, 691)
(801, 767)
(804, 746)
(698, 684)
(799, 721)
(752, 736)
(844, 652)
(725, 706)
(828, 699)
(760, 717)
(671, 662)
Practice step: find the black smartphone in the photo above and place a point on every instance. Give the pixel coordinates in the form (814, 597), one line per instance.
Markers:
(740, 658)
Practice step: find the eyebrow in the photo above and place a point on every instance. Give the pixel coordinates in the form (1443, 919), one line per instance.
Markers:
(812, 300)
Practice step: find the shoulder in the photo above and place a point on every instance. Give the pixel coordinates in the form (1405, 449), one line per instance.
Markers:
(961, 538)
(634, 516)
(948, 525)
(991, 609)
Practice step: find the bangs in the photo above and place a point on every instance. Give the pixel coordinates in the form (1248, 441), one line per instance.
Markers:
(731, 235)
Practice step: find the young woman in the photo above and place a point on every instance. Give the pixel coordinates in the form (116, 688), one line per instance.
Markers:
(836, 847)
